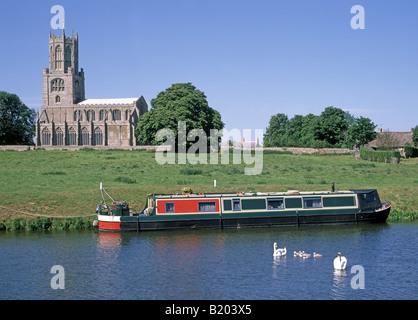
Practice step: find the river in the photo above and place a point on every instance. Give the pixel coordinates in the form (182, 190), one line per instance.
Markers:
(211, 264)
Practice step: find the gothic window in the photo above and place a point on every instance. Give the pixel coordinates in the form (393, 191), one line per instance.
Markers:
(98, 137)
(57, 85)
(90, 115)
(46, 137)
(102, 115)
(57, 99)
(127, 115)
(116, 115)
(67, 57)
(72, 137)
(78, 115)
(59, 137)
(58, 57)
(85, 137)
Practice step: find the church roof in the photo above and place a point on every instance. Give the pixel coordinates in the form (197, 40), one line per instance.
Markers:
(108, 101)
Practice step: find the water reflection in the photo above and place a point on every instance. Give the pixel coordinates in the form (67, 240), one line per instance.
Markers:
(340, 284)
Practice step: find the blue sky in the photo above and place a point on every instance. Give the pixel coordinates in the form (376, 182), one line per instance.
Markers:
(253, 59)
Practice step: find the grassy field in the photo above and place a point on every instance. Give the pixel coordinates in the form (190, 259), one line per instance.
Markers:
(66, 183)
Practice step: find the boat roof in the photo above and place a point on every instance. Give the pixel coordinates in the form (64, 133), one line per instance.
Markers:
(248, 194)
(364, 190)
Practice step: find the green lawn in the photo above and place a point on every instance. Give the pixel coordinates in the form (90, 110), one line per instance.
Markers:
(66, 183)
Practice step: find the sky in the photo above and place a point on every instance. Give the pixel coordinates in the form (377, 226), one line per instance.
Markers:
(251, 58)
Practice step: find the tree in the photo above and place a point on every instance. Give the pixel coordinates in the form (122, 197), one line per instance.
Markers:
(180, 102)
(333, 123)
(415, 136)
(387, 140)
(310, 131)
(276, 132)
(363, 130)
(17, 121)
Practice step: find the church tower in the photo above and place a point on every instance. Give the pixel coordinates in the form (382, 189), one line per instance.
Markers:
(63, 84)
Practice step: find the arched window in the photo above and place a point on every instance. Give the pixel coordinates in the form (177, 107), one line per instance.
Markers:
(116, 115)
(58, 57)
(59, 137)
(57, 99)
(90, 115)
(57, 85)
(85, 137)
(46, 137)
(72, 137)
(78, 115)
(67, 57)
(103, 115)
(98, 137)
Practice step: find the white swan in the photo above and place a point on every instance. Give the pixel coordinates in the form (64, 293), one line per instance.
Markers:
(278, 252)
(340, 262)
(317, 255)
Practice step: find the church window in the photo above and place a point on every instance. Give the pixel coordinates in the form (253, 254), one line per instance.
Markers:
(59, 137)
(46, 137)
(67, 57)
(57, 85)
(72, 137)
(103, 115)
(58, 57)
(57, 99)
(127, 115)
(78, 115)
(116, 115)
(90, 115)
(85, 137)
(98, 137)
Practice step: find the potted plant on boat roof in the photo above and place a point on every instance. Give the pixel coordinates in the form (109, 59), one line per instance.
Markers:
(186, 190)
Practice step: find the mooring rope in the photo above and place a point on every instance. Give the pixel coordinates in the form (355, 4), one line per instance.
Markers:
(44, 215)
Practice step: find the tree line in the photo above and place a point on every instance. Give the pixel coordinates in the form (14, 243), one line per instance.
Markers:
(184, 102)
(332, 128)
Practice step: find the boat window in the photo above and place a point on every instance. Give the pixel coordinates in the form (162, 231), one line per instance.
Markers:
(169, 207)
(237, 205)
(207, 206)
(312, 203)
(275, 204)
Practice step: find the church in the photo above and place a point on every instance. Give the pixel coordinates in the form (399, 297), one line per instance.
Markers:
(67, 118)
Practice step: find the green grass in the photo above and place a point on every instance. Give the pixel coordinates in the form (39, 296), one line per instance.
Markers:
(66, 183)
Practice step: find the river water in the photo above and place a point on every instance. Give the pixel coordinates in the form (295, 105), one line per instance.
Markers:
(212, 264)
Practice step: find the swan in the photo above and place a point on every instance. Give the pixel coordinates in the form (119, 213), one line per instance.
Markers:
(340, 262)
(305, 255)
(278, 252)
(317, 255)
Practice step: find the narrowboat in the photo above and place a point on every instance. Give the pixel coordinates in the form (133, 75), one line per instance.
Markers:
(244, 209)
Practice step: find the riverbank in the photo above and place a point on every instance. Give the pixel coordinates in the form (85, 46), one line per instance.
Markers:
(62, 185)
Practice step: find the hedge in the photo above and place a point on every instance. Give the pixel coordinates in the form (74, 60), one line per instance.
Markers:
(411, 152)
(379, 156)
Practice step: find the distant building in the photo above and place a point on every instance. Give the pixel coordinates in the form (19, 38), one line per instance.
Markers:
(67, 118)
(396, 139)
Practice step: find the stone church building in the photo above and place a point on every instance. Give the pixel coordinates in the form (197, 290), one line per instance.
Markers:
(69, 119)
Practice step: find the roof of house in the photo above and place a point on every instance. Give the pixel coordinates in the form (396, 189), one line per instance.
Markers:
(108, 101)
(401, 137)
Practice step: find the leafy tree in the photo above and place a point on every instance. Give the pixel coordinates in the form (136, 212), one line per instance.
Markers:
(333, 123)
(17, 121)
(363, 130)
(310, 131)
(180, 102)
(276, 133)
(415, 136)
